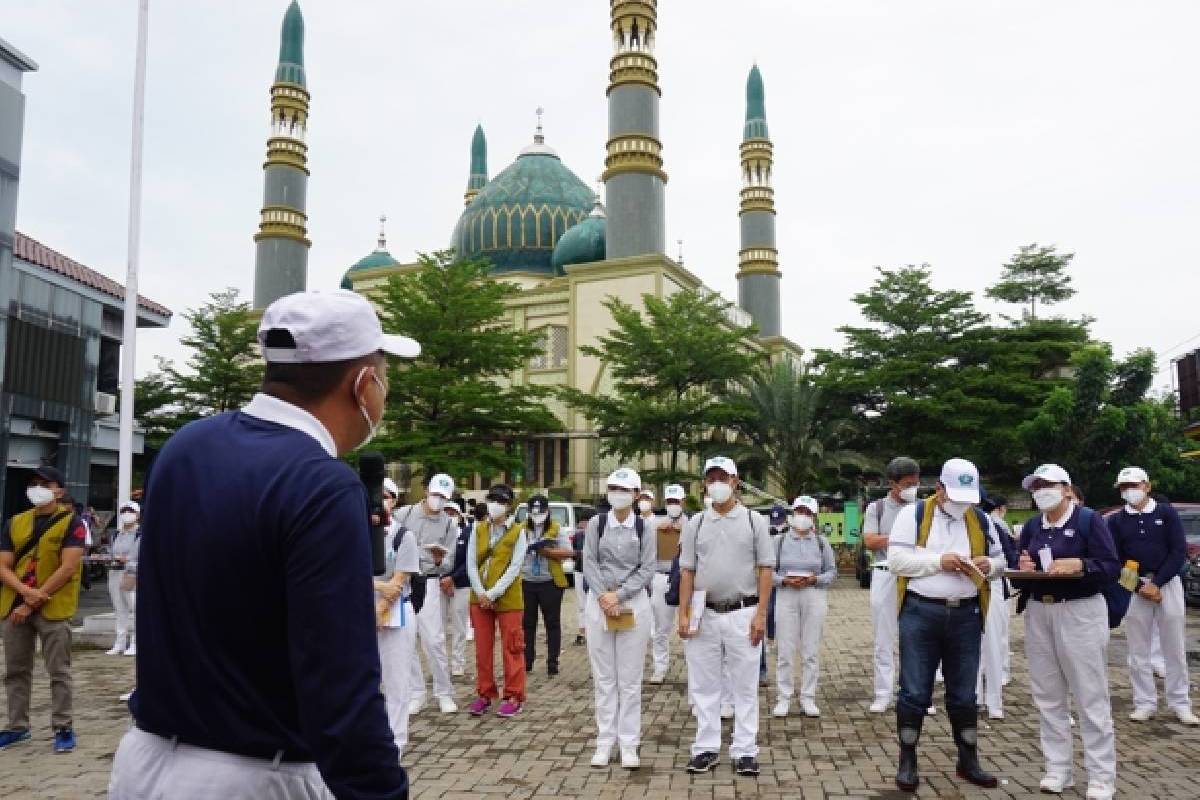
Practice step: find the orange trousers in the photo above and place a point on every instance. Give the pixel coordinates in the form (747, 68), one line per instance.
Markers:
(512, 651)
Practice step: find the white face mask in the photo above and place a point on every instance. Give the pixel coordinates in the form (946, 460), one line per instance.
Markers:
(1048, 498)
(39, 495)
(674, 510)
(956, 510)
(802, 522)
(539, 519)
(128, 518)
(372, 425)
(497, 511)
(645, 506)
(909, 495)
(620, 500)
(720, 492)
(1134, 497)
(708, 501)
(435, 502)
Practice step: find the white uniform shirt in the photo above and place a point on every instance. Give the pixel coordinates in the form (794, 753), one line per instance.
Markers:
(923, 565)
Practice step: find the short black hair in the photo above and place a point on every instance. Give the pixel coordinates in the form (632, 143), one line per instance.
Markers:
(310, 382)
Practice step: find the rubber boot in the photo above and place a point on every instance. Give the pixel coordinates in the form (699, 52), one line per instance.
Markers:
(964, 722)
(908, 726)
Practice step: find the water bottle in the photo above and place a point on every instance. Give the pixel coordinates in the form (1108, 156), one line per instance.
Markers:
(1129, 576)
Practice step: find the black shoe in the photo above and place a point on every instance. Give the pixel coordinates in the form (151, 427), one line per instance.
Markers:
(908, 725)
(964, 723)
(705, 762)
(552, 669)
(746, 765)
(579, 640)
(528, 666)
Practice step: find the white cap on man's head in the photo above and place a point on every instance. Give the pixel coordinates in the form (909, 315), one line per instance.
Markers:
(1132, 475)
(674, 492)
(132, 506)
(390, 487)
(722, 463)
(626, 479)
(1046, 472)
(320, 327)
(804, 501)
(441, 484)
(646, 491)
(961, 479)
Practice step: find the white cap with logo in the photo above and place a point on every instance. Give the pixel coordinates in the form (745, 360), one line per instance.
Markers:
(626, 479)
(1046, 472)
(646, 491)
(320, 327)
(441, 484)
(674, 492)
(961, 479)
(722, 463)
(1132, 475)
(804, 501)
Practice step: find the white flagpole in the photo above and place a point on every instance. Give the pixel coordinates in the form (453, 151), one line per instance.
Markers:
(129, 337)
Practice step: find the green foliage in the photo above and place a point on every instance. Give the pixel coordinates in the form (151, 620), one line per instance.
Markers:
(1034, 274)
(671, 366)
(454, 409)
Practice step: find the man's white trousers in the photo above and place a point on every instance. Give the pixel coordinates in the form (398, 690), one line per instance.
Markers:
(664, 623)
(886, 626)
(457, 608)
(432, 634)
(724, 641)
(1167, 618)
(989, 688)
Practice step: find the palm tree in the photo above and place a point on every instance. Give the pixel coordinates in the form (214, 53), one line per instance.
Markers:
(786, 429)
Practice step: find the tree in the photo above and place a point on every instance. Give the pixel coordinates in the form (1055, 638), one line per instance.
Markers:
(156, 406)
(454, 408)
(789, 432)
(671, 367)
(1034, 274)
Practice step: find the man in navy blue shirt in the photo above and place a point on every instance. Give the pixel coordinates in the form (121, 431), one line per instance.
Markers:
(1150, 532)
(258, 663)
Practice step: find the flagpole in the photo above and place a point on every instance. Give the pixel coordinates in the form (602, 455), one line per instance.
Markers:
(129, 336)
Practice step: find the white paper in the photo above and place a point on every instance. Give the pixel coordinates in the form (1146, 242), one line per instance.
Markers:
(798, 574)
(1047, 558)
(443, 548)
(697, 609)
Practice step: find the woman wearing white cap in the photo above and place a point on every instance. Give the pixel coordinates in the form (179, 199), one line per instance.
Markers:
(618, 563)
(804, 569)
(395, 617)
(1066, 630)
(667, 547)
(122, 577)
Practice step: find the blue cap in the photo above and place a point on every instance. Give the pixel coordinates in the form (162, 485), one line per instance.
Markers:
(779, 514)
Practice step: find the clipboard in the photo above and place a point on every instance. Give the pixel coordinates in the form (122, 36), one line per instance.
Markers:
(1020, 575)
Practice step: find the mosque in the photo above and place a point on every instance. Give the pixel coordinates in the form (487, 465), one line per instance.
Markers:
(542, 228)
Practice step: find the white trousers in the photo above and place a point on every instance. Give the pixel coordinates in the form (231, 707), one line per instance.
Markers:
(397, 651)
(1005, 639)
(989, 687)
(799, 619)
(886, 622)
(580, 601)
(432, 635)
(618, 659)
(724, 641)
(1066, 646)
(149, 767)
(123, 602)
(1167, 618)
(456, 609)
(664, 623)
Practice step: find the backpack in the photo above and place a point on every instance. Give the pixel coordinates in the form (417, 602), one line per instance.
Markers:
(639, 527)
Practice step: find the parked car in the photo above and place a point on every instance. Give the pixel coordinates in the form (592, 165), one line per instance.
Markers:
(569, 516)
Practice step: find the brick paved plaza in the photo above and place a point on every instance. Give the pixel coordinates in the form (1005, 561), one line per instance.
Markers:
(545, 751)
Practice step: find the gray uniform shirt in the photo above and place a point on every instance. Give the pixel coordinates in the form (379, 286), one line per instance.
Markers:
(805, 554)
(618, 561)
(725, 552)
(880, 516)
(535, 568)
(430, 529)
(125, 543)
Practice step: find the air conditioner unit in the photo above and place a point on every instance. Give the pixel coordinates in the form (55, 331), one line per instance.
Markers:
(106, 403)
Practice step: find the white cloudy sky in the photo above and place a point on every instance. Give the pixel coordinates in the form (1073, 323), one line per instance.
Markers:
(905, 131)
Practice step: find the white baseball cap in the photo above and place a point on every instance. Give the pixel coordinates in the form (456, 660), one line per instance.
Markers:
(961, 479)
(1046, 472)
(390, 487)
(721, 462)
(626, 479)
(1132, 475)
(804, 501)
(646, 491)
(441, 484)
(132, 506)
(319, 327)
(674, 492)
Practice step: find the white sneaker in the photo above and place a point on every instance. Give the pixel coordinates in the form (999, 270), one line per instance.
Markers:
(1055, 784)
(726, 712)
(1186, 716)
(119, 647)
(629, 758)
(1141, 714)
(658, 677)
(447, 705)
(415, 705)
(125, 697)
(457, 672)
(602, 757)
(995, 715)
(810, 708)
(931, 711)
(131, 650)
(470, 635)
(1071, 719)
(781, 709)
(1099, 791)
(879, 707)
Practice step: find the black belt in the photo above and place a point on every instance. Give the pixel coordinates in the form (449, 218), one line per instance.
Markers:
(733, 605)
(941, 601)
(433, 575)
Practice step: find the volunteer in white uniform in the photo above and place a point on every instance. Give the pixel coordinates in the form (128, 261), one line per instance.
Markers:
(667, 547)
(437, 539)
(726, 554)
(804, 569)
(456, 588)
(395, 618)
(904, 476)
(989, 686)
(124, 570)
(618, 564)
(1066, 630)
(998, 513)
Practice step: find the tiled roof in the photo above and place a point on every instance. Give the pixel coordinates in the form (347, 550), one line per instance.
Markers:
(35, 252)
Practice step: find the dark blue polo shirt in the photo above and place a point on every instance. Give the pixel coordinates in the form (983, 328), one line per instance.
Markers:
(256, 623)
(1154, 540)
(1100, 565)
(459, 573)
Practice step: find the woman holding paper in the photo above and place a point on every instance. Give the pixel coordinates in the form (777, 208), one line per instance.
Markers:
(804, 569)
(395, 618)
(618, 564)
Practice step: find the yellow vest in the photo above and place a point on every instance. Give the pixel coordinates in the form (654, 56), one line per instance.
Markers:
(491, 567)
(62, 603)
(975, 536)
(556, 570)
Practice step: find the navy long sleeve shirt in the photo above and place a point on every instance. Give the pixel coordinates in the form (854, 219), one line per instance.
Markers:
(1154, 539)
(1096, 549)
(459, 573)
(256, 623)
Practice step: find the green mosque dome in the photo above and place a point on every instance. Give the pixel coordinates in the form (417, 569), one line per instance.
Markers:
(583, 243)
(379, 257)
(521, 214)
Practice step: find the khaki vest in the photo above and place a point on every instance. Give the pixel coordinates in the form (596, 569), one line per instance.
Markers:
(63, 603)
(975, 535)
(491, 567)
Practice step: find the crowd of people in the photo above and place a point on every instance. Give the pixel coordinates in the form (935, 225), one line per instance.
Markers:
(291, 704)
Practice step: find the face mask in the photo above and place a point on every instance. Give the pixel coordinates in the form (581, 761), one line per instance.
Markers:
(645, 506)
(708, 501)
(539, 519)
(39, 495)
(1046, 499)
(372, 426)
(720, 492)
(128, 517)
(802, 522)
(620, 500)
(674, 510)
(435, 502)
(956, 510)
(497, 510)
(909, 495)
(1133, 496)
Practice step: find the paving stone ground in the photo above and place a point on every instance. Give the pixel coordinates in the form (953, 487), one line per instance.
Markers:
(543, 753)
